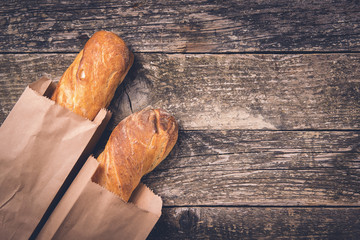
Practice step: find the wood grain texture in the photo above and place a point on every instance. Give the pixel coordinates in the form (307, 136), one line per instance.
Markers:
(257, 223)
(222, 91)
(267, 150)
(260, 168)
(252, 91)
(183, 26)
(218, 185)
(17, 71)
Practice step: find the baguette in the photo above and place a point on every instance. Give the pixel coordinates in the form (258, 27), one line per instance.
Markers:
(135, 147)
(89, 83)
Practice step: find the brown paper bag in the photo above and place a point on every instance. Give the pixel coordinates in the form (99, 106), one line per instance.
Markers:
(41, 143)
(88, 211)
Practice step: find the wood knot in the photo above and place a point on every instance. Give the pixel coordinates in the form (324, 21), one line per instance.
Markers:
(188, 221)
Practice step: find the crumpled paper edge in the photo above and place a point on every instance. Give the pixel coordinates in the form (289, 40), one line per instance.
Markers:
(130, 203)
(72, 194)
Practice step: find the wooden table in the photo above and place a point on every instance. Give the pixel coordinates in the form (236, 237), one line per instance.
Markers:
(267, 95)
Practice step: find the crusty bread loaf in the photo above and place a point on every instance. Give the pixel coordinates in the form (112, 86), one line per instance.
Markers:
(135, 147)
(90, 82)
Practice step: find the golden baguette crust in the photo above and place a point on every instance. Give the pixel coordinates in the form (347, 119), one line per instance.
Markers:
(90, 82)
(135, 147)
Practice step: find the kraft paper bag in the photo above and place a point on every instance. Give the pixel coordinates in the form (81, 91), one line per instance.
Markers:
(41, 145)
(89, 211)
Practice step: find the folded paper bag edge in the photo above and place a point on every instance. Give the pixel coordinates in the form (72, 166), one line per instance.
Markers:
(45, 86)
(99, 214)
(42, 85)
(143, 199)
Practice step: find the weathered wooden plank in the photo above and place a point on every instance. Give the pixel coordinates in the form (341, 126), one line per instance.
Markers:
(257, 223)
(260, 168)
(266, 150)
(229, 184)
(211, 142)
(252, 91)
(182, 26)
(17, 71)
